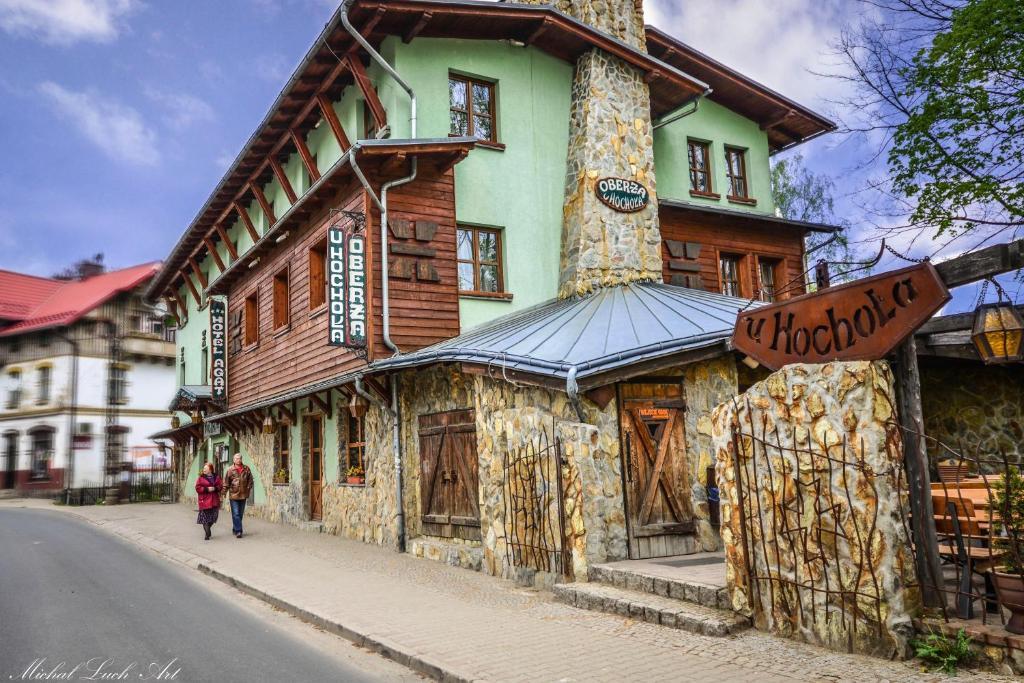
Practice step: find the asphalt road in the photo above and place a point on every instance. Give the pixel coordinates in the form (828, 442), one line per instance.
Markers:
(71, 594)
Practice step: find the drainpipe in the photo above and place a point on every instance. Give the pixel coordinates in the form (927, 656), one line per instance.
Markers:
(682, 114)
(573, 391)
(382, 203)
(396, 448)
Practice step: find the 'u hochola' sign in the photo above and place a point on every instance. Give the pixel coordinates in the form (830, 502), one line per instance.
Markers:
(860, 320)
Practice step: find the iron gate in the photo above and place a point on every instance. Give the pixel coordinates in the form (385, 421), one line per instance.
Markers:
(532, 491)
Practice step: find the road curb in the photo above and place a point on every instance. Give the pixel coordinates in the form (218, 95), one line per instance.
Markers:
(381, 646)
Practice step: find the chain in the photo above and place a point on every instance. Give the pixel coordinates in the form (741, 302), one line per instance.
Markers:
(902, 256)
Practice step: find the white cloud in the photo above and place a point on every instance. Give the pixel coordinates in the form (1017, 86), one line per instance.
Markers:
(180, 110)
(117, 130)
(65, 21)
(273, 67)
(776, 42)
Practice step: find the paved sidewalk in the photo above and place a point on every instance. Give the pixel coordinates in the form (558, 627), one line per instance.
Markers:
(462, 625)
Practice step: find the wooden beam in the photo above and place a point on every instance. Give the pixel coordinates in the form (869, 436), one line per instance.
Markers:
(200, 275)
(545, 24)
(192, 288)
(325, 406)
(327, 111)
(232, 252)
(421, 24)
(213, 253)
(307, 158)
(981, 264)
(778, 120)
(283, 407)
(261, 199)
(380, 115)
(247, 222)
(282, 179)
(183, 311)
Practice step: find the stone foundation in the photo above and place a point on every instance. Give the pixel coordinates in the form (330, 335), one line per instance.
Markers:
(824, 505)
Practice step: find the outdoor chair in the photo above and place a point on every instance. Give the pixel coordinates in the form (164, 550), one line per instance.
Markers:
(968, 559)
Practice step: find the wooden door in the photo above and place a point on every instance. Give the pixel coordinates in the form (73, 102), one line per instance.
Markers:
(655, 468)
(316, 466)
(10, 460)
(449, 475)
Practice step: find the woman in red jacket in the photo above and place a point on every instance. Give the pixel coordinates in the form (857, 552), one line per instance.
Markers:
(208, 486)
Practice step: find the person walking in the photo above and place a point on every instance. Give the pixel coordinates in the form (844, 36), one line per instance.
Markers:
(209, 487)
(238, 483)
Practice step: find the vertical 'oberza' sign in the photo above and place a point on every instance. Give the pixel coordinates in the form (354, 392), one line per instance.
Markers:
(218, 350)
(355, 297)
(336, 286)
(346, 286)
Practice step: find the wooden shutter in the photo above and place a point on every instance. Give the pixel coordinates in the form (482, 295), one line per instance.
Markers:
(449, 475)
(235, 331)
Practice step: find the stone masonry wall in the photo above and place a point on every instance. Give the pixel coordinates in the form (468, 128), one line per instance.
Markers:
(623, 19)
(823, 533)
(972, 407)
(610, 135)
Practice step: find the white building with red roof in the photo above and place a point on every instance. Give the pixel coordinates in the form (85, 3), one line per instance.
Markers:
(80, 359)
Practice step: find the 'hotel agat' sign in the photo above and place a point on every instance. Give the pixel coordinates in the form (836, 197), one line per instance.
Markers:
(346, 287)
(860, 320)
(218, 350)
(624, 196)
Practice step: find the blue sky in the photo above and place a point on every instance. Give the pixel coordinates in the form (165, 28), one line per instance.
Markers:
(118, 117)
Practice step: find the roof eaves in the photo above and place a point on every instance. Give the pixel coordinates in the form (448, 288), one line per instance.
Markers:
(747, 215)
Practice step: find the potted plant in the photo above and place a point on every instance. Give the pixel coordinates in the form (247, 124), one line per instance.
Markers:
(355, 475)
(281, 476)
(1008, 505)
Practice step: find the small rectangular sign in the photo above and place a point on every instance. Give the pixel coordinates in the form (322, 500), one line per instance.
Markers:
(336, 287)
(355, 296)
(218, 350)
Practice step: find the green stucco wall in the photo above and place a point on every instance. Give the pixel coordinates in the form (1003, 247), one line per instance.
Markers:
(519, 189)
(720, 126)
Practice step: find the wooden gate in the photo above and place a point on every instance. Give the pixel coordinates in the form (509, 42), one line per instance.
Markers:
(449, 481)
(316, 467)
(657, 483)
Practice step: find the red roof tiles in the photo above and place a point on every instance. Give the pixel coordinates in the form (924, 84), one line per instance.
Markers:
(39, 302)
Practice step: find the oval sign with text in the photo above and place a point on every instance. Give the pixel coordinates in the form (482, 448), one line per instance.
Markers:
(625, 196)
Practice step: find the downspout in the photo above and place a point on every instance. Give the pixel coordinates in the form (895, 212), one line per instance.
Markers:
(382, 203)
(573, 391)
(681, 114)
(395, 445)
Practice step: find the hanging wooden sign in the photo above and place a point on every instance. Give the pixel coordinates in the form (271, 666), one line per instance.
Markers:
(624, 196)
(346, 288)
(860, 320)
(218, 350)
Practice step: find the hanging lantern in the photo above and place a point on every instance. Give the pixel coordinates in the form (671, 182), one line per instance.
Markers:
(268, 424)
(196, 417)
(357, 406)
(998, 333)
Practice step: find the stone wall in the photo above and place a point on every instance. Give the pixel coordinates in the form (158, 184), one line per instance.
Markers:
(623, 19)
(818, 461)
(973, 407)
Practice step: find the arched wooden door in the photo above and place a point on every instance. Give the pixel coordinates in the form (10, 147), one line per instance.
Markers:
(655, 469)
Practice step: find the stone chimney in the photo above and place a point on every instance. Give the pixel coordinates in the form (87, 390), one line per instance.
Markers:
(610, 136)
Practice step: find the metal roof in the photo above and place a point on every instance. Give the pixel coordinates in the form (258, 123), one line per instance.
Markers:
(683, 205)
(294, 394)
(605, 330)
(189, 395)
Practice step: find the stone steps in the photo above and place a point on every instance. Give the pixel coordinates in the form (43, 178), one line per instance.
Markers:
(654, 609)
(686, 590)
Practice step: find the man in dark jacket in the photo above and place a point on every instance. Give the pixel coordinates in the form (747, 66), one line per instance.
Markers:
(238, 484)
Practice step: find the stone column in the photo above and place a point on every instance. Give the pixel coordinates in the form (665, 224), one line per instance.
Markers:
(610, 135)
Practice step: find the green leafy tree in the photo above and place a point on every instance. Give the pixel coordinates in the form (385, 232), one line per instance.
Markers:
(940, 88)
(802, 195)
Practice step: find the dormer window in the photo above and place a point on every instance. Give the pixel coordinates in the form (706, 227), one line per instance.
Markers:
(471, 104)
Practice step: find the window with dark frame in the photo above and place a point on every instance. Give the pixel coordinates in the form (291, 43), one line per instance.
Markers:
(355, 450)
(699, 154)
(43, 375)
(117, 390)
(766, 274)
(736, 171)
(479, 256)
(282, 454)
(471, 104)
(318, 275)
(42, 453)
(252, 319)
(281, 299)
(729, 271)
(14, 393)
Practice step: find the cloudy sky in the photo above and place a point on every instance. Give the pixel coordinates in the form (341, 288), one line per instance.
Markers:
(117, 117)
